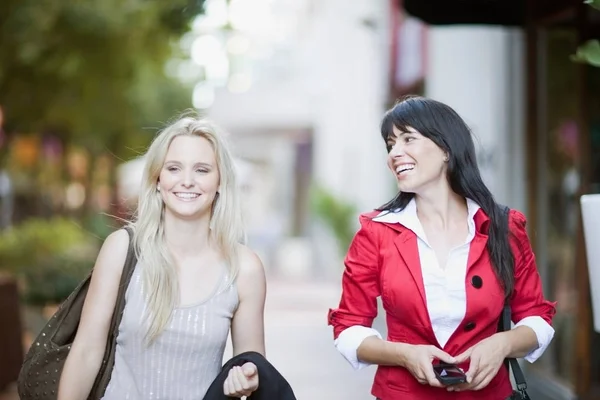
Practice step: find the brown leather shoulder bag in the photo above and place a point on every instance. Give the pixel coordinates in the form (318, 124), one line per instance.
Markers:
(40, 372)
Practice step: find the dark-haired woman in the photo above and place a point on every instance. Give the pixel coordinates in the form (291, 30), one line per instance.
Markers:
(444, 258)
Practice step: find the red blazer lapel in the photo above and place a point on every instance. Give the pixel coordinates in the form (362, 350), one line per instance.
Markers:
(408, 253)
(407, 246)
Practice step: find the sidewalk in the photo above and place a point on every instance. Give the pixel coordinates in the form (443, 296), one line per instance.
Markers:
(300, 344)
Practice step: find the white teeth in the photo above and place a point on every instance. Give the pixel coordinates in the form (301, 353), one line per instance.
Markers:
(187, 195)
(405, 167)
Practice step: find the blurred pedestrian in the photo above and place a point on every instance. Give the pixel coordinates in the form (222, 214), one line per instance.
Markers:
(445, 259)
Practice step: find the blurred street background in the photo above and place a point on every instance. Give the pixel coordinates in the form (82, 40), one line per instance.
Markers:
(300, 86)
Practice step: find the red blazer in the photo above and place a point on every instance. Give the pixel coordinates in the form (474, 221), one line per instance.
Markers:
(383, 260)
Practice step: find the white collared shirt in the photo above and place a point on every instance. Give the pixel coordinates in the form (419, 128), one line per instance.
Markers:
(444, 290)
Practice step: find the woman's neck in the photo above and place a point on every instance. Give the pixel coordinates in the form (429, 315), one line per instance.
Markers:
(187, 236)
(441, 207)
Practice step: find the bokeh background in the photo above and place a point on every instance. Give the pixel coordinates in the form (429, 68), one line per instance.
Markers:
(300, 86)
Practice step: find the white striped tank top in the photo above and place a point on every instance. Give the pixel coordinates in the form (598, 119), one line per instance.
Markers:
(184, 359)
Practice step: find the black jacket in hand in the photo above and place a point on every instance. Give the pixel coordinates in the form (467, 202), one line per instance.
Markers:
(271, 384)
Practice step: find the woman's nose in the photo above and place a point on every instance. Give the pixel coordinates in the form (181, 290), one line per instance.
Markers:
(188, 180)
(397, 150)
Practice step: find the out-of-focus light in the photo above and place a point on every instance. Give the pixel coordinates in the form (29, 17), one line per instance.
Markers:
(238, 44)
(205, 48)
(186, 41)
(239, 83)
(203, 96)
(75, 195)
(208, 51)
(217, 70)
(215, 16)
(188, 71)
(250, 16)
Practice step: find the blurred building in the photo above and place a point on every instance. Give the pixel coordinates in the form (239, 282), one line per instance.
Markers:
(505, 66)
(302, 86)
(307, 116)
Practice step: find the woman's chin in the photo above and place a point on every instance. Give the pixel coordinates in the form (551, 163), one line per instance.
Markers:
(406, 188)
(188, 213)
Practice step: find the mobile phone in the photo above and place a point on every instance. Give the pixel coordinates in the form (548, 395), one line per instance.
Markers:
(449, 374)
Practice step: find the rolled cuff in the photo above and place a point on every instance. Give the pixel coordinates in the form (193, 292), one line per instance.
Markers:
(350, 339)
(544, 333)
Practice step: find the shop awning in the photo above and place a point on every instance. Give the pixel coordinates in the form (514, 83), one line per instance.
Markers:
(488, 12)
(483, 12)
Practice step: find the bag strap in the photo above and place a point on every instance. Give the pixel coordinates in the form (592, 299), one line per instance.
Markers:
(104, 375)
(512, 362)
(505, 325)
(128, 269)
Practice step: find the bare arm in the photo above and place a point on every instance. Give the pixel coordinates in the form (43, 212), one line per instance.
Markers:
(373, 350)
(520, 341)
(247, 327)
(85, 357)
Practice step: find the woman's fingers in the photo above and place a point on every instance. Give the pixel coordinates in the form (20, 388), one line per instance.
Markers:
(228, 388)
(236, 383)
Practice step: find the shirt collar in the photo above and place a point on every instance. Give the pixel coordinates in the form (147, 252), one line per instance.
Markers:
(409, 219)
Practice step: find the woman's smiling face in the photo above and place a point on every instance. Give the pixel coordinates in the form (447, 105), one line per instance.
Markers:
(189, 179)
(416, 161)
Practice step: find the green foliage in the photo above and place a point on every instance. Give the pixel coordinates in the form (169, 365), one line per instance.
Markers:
(593, 3)
(100, 225)
(50, 257)
(588, 53)
(336, 213)
(54, 280)
(91, 70)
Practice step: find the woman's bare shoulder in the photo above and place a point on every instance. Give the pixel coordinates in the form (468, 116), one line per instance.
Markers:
(114, 251)
(251, 270)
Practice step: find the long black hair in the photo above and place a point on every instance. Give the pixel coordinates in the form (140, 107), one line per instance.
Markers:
(441, 124)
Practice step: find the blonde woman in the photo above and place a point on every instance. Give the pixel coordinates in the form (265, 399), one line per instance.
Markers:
(193, 282)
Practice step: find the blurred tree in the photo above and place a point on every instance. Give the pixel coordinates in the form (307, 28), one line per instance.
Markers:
(593, 3)
(336, 213)
(91, 71)
(589, 52)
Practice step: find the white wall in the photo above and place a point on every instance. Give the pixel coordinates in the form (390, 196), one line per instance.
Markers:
(329, 78)
(479, 71)
(349, 59)
(347, 51)
(332, 79)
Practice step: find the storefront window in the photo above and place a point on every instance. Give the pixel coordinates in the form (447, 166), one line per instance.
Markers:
(593, 109)
(559, 175)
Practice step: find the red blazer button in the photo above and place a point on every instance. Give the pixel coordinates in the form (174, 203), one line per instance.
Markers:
(477, 282)
(469, 326)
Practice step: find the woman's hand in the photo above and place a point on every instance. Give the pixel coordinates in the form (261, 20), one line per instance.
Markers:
(486, 358)
(418, 360)
(241, 381)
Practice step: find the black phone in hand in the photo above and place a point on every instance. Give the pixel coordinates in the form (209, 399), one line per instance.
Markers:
(449, 374)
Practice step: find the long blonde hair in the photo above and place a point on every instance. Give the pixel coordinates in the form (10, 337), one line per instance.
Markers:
(159, 274)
